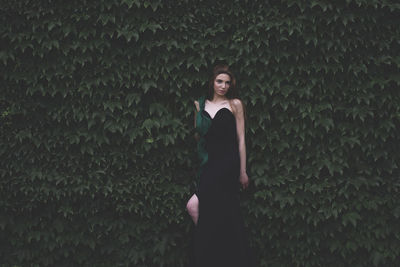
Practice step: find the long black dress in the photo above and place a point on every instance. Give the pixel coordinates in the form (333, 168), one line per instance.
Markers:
(220, 239)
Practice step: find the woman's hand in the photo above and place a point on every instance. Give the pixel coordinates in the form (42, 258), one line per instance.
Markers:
(244, 179)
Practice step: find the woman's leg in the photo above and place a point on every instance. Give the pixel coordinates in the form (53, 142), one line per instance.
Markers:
(192, 207)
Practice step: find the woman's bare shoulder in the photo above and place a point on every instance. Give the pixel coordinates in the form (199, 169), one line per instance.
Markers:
(236, 104)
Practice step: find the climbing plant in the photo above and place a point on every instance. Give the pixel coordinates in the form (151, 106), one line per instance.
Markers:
(97, 155)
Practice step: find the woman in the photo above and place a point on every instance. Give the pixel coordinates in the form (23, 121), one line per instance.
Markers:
(219, 120)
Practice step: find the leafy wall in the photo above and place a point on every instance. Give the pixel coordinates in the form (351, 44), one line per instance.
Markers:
(97, 154)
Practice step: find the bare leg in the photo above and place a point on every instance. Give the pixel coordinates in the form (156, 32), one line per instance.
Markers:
(192, 207)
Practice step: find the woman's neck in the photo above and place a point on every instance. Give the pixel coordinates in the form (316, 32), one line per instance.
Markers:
(216, 98)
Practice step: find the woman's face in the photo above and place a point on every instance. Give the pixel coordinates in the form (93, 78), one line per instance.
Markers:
(221, 84)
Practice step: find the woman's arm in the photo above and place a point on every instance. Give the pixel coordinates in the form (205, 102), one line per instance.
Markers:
(239, 115)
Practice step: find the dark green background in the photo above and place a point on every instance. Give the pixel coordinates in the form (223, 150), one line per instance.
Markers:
(97, 155)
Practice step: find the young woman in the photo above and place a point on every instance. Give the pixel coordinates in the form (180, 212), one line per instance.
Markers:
(219, 120)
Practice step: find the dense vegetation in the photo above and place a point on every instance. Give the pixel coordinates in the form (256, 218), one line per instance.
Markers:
(97, 155)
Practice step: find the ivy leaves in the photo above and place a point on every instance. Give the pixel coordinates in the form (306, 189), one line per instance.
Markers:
(96, 123)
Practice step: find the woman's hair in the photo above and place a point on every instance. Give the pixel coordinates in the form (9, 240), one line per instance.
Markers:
(222, 69)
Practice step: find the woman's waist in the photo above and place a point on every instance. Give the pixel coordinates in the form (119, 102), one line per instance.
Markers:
(222, 152)
(221, 144)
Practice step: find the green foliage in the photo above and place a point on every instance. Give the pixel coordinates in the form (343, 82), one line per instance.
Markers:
(97, 153)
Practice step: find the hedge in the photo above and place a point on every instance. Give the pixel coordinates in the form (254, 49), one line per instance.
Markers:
(97, 155)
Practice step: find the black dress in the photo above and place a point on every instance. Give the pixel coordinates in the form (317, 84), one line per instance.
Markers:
(220, 239)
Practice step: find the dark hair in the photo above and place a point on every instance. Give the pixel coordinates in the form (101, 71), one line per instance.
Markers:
(222, 69)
